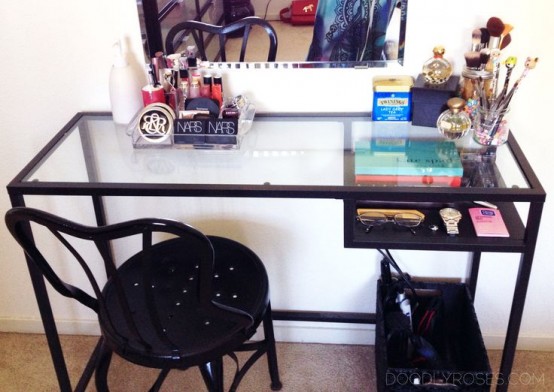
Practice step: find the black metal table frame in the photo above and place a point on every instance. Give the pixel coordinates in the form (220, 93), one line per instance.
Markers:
(534, 195)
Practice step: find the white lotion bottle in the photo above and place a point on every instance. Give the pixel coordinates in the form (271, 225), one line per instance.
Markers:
(125, 88)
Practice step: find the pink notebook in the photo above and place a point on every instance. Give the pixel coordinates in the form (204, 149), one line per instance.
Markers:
(488, 222)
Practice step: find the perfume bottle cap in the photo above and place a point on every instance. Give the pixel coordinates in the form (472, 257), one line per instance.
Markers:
(438, 51)
(456, 104)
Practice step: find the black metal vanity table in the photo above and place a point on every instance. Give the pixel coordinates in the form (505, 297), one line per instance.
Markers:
(321, 166)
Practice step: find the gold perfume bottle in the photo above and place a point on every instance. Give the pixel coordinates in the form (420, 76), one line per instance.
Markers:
(437, 70)
(454, 122)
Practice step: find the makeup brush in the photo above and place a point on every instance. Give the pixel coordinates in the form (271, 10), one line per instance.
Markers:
(485, 36)
(505, 41)
(481, 93)
(484, 57)
(507, 29)
(473, 59)
(476, 40)
(495, 61)
(495, 26)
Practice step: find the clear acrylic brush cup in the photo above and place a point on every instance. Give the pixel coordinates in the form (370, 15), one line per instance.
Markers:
(491, 126)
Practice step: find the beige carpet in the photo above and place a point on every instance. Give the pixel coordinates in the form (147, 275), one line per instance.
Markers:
(25, 366)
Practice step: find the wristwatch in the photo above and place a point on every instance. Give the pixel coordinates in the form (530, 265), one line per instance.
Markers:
(451, 217)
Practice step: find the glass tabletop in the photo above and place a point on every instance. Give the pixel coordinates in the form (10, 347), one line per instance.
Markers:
(281, 150)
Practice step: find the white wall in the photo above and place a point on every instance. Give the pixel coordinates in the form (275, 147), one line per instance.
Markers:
(57, 60)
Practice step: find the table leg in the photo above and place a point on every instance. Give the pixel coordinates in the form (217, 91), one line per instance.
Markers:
(50, 329)
(520, 292)
(474, 273)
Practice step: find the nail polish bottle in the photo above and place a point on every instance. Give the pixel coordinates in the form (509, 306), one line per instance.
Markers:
(194, 89)
(217, 89)
(191, 56)
(206, 88)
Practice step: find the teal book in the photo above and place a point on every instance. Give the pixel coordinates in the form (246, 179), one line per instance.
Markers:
(418, 158)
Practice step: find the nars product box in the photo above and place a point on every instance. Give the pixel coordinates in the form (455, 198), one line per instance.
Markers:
(209, 131)
(429, 101)
(392, 98)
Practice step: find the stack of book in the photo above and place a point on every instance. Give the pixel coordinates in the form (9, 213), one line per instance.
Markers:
(408, 162)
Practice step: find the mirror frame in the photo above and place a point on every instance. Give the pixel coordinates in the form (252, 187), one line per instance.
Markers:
(154, 41)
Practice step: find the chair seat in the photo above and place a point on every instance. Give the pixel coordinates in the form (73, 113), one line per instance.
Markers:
(159, 329)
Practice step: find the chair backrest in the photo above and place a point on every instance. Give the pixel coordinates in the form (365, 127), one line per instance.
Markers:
(195, 252)
(18, 221)
(197, 30)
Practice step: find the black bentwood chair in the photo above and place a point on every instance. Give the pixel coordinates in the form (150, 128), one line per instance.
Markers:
(197, 30)
(185, 300)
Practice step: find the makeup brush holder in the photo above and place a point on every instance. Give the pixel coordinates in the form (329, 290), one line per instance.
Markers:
(490, 126)
(474, 86)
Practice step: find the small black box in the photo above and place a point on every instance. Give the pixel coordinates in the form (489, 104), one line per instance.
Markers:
(457, 339)
(189, 132)
(208, 130)
(429, 101)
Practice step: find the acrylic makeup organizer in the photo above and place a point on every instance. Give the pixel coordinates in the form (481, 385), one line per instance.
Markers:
(197, 133)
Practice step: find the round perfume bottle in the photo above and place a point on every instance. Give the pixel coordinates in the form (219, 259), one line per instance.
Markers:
(437, 70)
(454, 122)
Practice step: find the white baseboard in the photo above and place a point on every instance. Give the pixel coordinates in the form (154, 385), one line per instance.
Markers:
(285, 331)
(331, 333)
(524, 342)
(65, 327)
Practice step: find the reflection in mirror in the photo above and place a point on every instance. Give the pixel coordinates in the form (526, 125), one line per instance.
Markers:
(336, 40)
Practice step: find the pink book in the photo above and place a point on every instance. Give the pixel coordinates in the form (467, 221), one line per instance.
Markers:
(488, 222)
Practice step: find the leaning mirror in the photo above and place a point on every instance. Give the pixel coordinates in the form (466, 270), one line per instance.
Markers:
(343, 33)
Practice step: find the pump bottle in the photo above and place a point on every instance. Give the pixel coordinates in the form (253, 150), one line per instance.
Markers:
(125, 88)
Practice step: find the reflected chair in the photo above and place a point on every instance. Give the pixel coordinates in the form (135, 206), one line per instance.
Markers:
(222, 33)
(182, 300)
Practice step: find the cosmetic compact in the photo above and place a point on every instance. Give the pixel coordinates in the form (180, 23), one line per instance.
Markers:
(206, 104)
(392, 98)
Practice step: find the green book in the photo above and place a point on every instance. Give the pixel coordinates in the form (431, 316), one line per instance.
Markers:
(418, 158)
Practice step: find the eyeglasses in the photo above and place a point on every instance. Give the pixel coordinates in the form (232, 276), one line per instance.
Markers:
(409, 219)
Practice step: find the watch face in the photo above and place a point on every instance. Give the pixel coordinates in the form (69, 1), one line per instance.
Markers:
(450, 213)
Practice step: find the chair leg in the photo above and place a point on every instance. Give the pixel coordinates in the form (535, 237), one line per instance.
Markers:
(91, 366)
(101, 375)
(159, 381)
(212, 372)
(276, 384)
